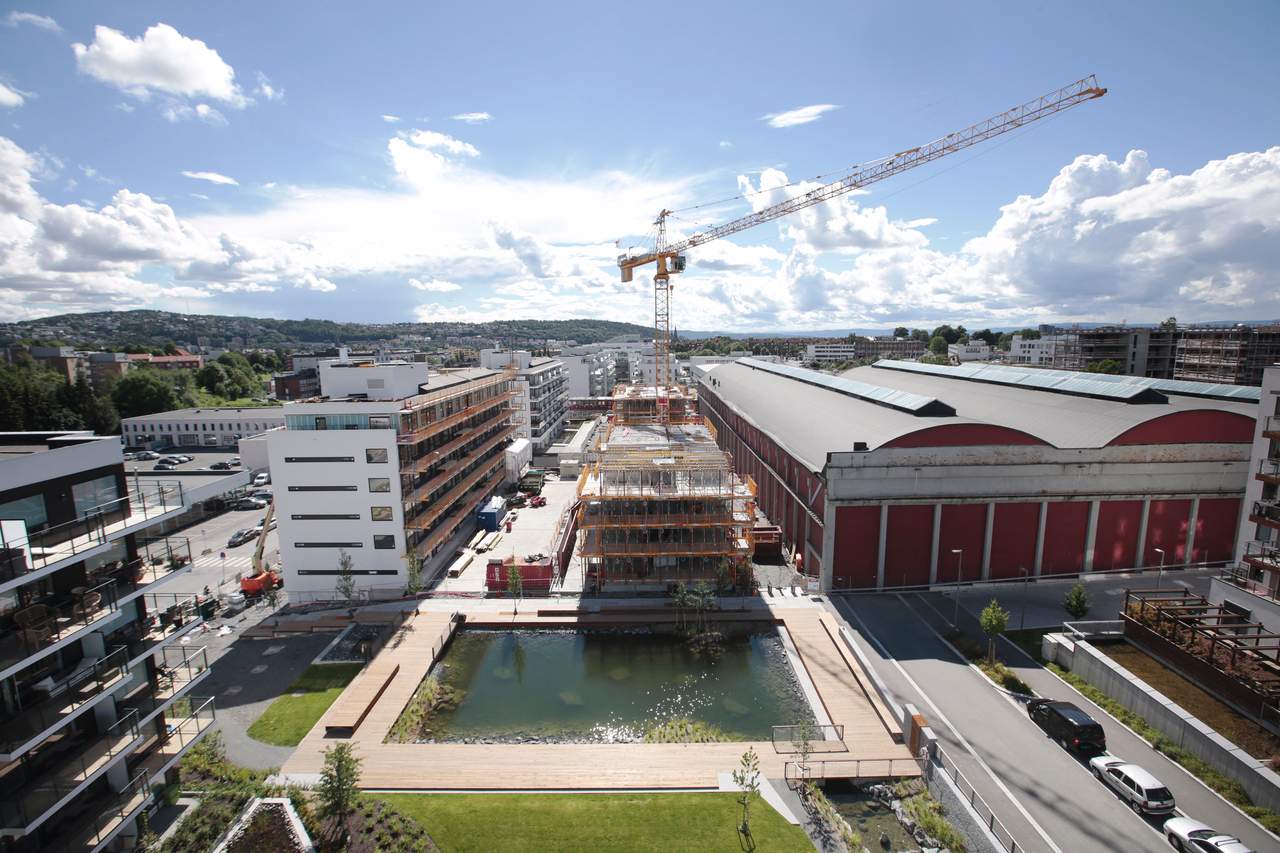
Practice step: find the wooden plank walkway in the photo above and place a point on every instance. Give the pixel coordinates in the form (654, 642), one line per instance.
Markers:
(577, 766)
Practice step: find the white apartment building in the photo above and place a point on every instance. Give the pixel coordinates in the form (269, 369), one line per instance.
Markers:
(861, 348)
(972, 351)
(1038, 353)
(214, 427)
(589, 374)
(390, 458)
(542, 400)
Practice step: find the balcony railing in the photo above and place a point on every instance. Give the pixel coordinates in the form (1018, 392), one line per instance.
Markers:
(46, 788)
(1272, 424)
(426, 489)
(442, 535)
(40, 626)
(108, 814)
(445, 502)
(23, 551)
(1269, 468)
(63, 697)
(176, 669)
(1263, 555)
(190, 719)
(168, 614)
(454, 419)
(704, 519)
(1257, 581)
(1267, 511)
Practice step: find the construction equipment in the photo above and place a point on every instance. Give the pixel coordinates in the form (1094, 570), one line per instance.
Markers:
(670, 258)
(263, 578)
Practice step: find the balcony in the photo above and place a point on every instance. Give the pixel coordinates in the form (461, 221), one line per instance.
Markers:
(682, 520)
(595, 544)
(445, 502)
(1263, 556)
(64, 697)
(454, 419)
(192, 719)
(61, 767)
(1266, 513)
(442, 535)
(91, 824)
(169, 616)
(1263, 584)
(1269, 471)
(450, 471)
(1271, 427)
(23, 552)
(41, 627)
(178, 669)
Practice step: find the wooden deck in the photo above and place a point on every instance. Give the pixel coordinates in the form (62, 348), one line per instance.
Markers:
(844, 693)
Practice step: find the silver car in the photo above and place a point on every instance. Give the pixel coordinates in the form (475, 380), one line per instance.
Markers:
(1192, 836)
(1144, 793)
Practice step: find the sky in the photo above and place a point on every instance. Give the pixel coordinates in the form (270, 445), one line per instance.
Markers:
(477, 161)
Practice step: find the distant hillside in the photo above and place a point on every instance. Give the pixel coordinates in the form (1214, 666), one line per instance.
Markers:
(114, 329)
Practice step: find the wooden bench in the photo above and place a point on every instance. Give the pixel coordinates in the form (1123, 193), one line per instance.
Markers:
(358, 700)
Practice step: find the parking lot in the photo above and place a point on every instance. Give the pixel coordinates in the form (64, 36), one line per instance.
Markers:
(200, 460)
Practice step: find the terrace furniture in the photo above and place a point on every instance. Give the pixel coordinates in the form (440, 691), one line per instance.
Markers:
(36, 637)
(33, 616)
(90, 603)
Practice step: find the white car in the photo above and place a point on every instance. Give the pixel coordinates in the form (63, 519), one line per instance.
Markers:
(1192, 836)
(262, 479)
(1144, 793)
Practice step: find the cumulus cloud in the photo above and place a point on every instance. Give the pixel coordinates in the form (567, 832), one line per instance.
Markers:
(10, 97)
(473, 118)
(42, 22)
(176, 112)
(800, 115)
(268, 90)
(434, 285)
(160, 60)
(212, 177)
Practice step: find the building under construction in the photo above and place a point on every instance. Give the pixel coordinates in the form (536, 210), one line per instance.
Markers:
(1232, 355)
(660, 503)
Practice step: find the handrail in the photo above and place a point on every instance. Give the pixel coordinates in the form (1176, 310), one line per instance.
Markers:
(458, 464)
(430, 429)
(64, 698)
(68, 617)
(996, 826)
(445, 502)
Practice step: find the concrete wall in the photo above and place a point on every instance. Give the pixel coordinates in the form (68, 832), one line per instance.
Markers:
(1164, 715)
(1260, 609)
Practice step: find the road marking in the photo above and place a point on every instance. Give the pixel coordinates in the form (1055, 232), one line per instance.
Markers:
(959, 737)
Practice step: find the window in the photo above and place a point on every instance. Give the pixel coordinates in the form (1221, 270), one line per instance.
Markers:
(322, 423)
(381, 513)
(325, 516)
(379, 422)
(385, 542)
(31, 510)
(328, 544)
(374, 455)
(322, 488)
(319, 459)
(94, 494)
(379, 484)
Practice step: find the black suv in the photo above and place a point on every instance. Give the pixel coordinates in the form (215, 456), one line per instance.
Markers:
(1068, 725)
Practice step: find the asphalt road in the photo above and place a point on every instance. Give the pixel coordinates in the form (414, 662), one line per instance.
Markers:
(1063, 808)
(211, 535)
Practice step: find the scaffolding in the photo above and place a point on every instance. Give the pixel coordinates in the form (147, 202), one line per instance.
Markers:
(660, 503)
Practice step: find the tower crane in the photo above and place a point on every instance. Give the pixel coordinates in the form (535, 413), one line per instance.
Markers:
(670, 258)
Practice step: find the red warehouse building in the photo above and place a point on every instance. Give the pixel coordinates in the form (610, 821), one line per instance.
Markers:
(905, 474)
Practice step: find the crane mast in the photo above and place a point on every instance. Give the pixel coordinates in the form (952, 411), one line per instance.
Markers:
(669, 258)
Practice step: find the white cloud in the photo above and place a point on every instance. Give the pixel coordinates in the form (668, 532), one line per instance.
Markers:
(10, 97)
(434, 285)
(161, 60)
(800, 115)
(389, 119)
(212, 177)
(724, 143)
(267, 89)
(200, 196)
(177, 111)
(473, 118)
(433, 141)
(39, 21)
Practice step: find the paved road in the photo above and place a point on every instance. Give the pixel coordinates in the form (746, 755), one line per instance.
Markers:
(1193, 798)
(1070, 807)
(211, 535)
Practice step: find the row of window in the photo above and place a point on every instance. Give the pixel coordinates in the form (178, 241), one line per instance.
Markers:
(376, 513)
(381, 542)
(376, 484)
(197, 427)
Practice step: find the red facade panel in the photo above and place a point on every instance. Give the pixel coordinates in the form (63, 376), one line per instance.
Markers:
(857, 547)
(1066, 533)
(1216, 525)
(1115, 544)
(1198, 426)
(963, 435)
(964, 527)
(1013, 539)
(908, 545)
(1168, 523)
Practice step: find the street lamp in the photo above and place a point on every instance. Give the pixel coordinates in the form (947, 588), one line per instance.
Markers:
(955, 618)
(1160, 576)
(1022, 616)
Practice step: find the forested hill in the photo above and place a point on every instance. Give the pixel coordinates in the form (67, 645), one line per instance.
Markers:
(108, 329)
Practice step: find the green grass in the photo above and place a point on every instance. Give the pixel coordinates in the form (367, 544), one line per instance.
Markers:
(289, 718)
(206, 400)
(560, 823)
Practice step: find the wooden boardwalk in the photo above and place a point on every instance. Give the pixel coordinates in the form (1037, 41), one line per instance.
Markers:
(838, 680)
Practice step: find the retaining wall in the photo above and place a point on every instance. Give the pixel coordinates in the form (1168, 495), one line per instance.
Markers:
(1165, 716)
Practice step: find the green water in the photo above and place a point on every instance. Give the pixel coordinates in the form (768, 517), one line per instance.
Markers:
(603, 686)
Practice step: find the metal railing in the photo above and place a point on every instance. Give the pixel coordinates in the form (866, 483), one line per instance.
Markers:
(1265, 553)
(63, 697)
(850, 768)
(111, 814)
(788, 740)
(1269, 467)
(942, 761)
(46, 787)
(1250, 579)
(1272, 424)
(41, 625)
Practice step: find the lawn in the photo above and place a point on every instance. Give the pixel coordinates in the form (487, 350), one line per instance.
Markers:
(289, 718)
(531, 823)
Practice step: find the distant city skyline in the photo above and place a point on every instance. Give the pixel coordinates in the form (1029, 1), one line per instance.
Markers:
(238, 159)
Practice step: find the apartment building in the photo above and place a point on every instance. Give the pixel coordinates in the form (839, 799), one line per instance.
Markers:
(1258, 543)
(1236, 356)
(971, 351)
(1037, 353)
(390, 458)
(97, 695)
(542, 394)
(1138, 351)
(211, 427)
(861, 348)
(589, 374)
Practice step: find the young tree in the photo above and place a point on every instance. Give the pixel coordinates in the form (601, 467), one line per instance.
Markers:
(802, 737)
(901, 332)
(515, 586)
(144, 392)
(1077, 602)
(346, 585)
(747, 777)
(338, 779)
(994, 620)
(413, 572)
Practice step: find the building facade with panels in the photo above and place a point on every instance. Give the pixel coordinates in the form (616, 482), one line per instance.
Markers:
(97, 693)
(210, 427)
(391, 459)
(903, 474)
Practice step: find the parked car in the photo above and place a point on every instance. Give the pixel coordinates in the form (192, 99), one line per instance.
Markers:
(171, 460)
(1144, 793)
(1192, 836)
(262, 479)
(220, 466)
(251, 503)
(271, 526)
(242, 536)
(1075, 730)
(262, 494)
(234, 461)
(129, 456)
(185, 458)
(147, 455)
(164, 466)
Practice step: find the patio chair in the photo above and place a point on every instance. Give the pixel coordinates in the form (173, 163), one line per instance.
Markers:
(36, 637)
(33, 616)
(89, 604)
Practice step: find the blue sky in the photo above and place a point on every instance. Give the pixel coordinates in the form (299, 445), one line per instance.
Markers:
(478, 160)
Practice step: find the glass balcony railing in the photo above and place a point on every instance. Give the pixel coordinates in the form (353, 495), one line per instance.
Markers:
(60, 698)
(23, 551)
(1272, 424)
(176, 668)
(168, 614)
(47, 781)
(1269, 467)
(105, 815)
(188, 719)
(39, 626)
